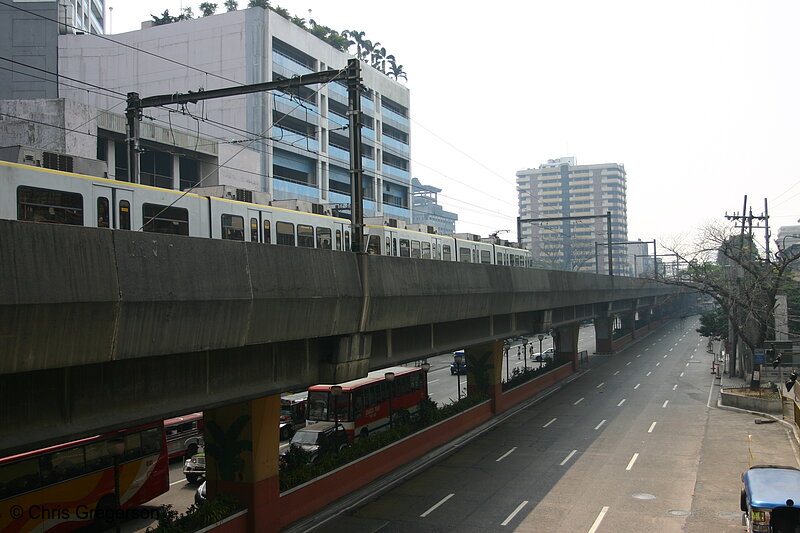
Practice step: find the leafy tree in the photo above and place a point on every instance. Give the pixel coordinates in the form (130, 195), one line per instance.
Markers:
(231, 5)
(299, 21)
(714, 324)
(396, 71)
(187, 14)
(165, 18)
(258, 3)
(282, 11)
(208, 8)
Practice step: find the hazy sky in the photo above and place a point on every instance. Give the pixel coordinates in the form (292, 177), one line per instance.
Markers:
(698, 99)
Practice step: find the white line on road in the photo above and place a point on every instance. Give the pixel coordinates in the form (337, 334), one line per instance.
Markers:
(512, 515)
(665, 404)
(617, 372)
(579, 400)
(434, 381)
(598, 520)
(638, 355)
(603, 421)
(509, 452)
(646, 349)
(682, 373)
(670, 349)
(553, 420)
(626, 364)
(637, 386)
(621, 402)
(633, 460)
(710, 392)
(432, 509)
(657, 364)
(652, 426)
(675, 386)
(647, 374)
(600, 385)
(568, 457)
(687, 365)
(691, 356)
(666, 355)
(176, 482)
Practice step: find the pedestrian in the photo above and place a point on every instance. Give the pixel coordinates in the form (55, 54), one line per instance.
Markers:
(519, 353)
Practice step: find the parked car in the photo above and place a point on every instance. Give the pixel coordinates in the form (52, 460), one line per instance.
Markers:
(319, 439)
(195, 468)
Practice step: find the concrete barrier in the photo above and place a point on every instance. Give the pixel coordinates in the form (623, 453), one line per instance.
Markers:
(751, 403)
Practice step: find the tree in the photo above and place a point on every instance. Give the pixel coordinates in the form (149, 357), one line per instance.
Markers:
(208, 9)
(165, 18)
(714, 324)
(258, 3)
(396, 71)
(231, 5)
(187, 14)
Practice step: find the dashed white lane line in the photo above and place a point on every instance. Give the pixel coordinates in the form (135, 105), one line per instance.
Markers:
(665, 404)
(512, 515)
(648, 374)
(176, 482)
(626, 364)
(617, 372)
(436, 505)
(579, 400)
(434, 381)
(603, 421)
(632, 461)
(637, 386)
(553, 420)
(509, 452)
(666, 355)
(682, 373)
(675, 386)
(600, 385)
(659, 363)
(646, 349)
(652, 426)
(598, 520)
(621, 402)
(638, 355)
(568, 457)
(670, 349)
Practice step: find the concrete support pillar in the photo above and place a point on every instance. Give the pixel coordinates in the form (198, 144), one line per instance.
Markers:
(629, 323)
(242, 457)
(484, 369)
(603, 328)
(565, 343)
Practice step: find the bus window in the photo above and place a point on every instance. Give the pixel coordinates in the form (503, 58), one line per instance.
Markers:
(305, 236)
(486, 257)
(338, 239)
(374, 245)
(415, 250)
(426, 250)
(405, 248)
(47, 205)
(324, 238)
(285, 233)
(151, 441)
(97, 456)
(102, 212)
(267, 233)
(464, 255)
(67, 464)
(446, 254)
(233, 227)
(19, 477)
(158, 218)
(124, 214)
(133, 446)
(254, 230)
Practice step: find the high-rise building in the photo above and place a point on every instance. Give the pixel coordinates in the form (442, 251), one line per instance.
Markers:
(426, 209)
(560, 189)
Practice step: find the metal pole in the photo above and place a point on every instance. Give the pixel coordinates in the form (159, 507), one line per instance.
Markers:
(655, 266)
(610, 260)
(356, 170)
(596, 260)
(506, 350)
(134, 114)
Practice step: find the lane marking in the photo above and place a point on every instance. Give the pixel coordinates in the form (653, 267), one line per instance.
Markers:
(568, 457)
(665, 404)
(691, 356)
(509, 452)
(601, 384)
(637, 386)
(682, 373)
(434, 381)
(633, 460)
(598, 520)
(179, 481)
(687, 365)
(617, 372)
(553, 420)
(603, 421)
(435, 506)
(652, 426)
(626, 364)
(670, 349)
(646, 349)
(710, 392)
(646, 375)
(638, 355)
(666, 355)
(578, 401)
(512, 515)
(675, 386)
(658, 363)
(621, 402)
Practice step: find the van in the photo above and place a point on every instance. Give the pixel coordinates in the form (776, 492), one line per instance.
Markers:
(770, 499)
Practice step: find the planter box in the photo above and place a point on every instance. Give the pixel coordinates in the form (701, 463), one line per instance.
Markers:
(751, 403)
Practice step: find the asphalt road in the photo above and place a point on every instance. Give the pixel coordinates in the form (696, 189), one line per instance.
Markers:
(618, 449)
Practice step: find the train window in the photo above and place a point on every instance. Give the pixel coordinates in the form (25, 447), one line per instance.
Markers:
(426, 250)
(232, 227)
(124, 214)
(338, 239)
(347, 241)
(499, 259)
(285, 233)
(102, 212)
(374, 245)
(394, 247)
(486, 257)
(48, 205)
(446, 253)
(165, 219)
(324, 238)
(305, 236)
(254, 230)
(415, 250)
(405, 248)
(267, 233)
(464, 255)
(388, 246)
(475, 256)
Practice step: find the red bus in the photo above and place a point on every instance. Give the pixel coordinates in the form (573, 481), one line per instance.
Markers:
(364, 404)
(184, 435)
(65, 487)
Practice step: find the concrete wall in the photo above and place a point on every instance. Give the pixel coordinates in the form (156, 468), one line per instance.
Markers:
(31, 41)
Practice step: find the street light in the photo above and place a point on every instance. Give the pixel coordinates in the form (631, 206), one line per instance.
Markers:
(459, 359)
(390, 379)
(116, 447)
(506, 350)
(540, 336)
(525, 353)
(336, 391)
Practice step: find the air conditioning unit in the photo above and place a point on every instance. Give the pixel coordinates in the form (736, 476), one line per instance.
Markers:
(29, 155)
(392, 222)
(243, 195)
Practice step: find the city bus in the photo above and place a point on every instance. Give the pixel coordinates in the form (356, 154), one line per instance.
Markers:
(184, 435)
(364, 405)
(71, 485)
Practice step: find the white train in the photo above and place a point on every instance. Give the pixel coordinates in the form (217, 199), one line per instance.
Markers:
(42, 195)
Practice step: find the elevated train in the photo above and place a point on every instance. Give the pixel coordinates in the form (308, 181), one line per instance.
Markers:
(37, 194)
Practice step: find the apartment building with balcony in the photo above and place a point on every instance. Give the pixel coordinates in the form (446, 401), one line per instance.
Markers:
(561, 188)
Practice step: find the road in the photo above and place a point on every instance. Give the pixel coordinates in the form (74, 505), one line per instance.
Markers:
(617, 450)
